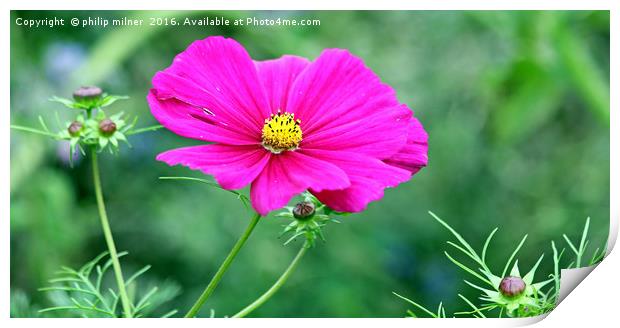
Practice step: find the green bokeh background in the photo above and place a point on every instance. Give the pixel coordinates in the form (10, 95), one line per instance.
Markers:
(516, 105)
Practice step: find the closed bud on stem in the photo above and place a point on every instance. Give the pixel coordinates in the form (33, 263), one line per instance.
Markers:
(303, 210)
(87, 93)
(512, 286)
(107, 126)
(74, 128)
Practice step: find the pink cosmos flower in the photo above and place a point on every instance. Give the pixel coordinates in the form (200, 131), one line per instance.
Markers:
(288, 125)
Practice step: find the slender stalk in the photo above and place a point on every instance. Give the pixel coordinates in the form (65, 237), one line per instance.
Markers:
(222, 269)
(267, 295)
(107, 232)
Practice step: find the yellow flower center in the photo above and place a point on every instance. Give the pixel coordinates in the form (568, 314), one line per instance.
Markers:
(281, 132)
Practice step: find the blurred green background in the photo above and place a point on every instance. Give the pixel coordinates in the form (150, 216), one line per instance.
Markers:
(516, 105)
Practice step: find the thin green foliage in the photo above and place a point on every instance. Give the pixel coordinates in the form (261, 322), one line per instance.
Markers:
(84, 293)
(243, 198)
(579, 252)
(142, 130)
(536, 297)
(440, 312)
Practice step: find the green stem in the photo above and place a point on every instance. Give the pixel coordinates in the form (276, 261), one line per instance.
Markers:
(107, 232)
(222, 269)
(267, 295)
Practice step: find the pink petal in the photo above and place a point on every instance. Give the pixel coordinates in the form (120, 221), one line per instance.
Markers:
(217, 74)
(192, 122)
(369, 177)
(338, 89)
(278, 76)
(233, 167)
(289, 174)
(414, 155)
(174, 87)
(380, 134)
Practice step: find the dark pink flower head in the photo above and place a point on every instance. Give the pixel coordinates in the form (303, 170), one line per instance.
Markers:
(288, 125)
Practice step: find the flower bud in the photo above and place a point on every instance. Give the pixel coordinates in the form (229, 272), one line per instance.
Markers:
(74, 128)
(512, 286)
(87, 93)
(107, 126)
(303, 210)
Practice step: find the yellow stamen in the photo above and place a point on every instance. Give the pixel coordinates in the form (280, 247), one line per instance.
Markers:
(281, 132)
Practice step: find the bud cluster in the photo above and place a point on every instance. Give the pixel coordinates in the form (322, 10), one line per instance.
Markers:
(512, 287)
(88, 98)
(308, 218)
(304, 210)
(92, 127)
(75, 128)
(90, 94)
(517, 293)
